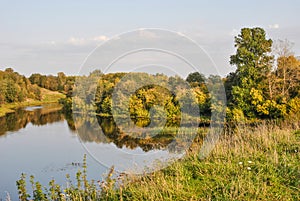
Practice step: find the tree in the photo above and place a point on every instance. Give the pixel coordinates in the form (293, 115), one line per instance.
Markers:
(288, 75)
(287, 72)
(35, 78)
(196, 78)
(11, 92)
(254, 64)
(62, 79)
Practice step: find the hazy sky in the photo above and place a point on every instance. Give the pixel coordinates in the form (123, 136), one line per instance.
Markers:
(52, 36)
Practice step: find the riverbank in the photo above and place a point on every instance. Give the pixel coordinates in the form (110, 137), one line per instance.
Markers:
(47, 97)
(253, 163)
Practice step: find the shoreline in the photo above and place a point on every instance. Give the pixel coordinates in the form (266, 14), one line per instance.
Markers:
(12, 107)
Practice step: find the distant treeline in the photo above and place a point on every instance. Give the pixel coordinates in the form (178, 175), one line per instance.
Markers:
(61, 82)
(265, 85)
(95, 93)
(16, 88)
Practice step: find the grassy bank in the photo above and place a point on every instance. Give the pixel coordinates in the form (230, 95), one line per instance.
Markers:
(254, 163)
(47, 97)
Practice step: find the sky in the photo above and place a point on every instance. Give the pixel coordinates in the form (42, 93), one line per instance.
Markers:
(53, 36)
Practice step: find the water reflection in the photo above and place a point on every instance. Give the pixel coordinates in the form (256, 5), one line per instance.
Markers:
(47, 149)
(96, 129)
(168, 137)
(35, 115)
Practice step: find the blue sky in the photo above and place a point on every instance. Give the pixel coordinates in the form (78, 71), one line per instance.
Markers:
(52, 36)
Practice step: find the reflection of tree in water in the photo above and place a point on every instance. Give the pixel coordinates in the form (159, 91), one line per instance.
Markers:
(141, 139)
(20, 118)
(87, 128)
(104, 130)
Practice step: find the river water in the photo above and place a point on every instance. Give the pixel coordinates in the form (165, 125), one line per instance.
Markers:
(43, 142)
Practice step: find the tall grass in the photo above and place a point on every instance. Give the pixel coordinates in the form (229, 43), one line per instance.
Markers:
(261, 162)
(257, 163)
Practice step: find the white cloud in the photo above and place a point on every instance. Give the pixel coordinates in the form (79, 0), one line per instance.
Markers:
(100, 38)
(86, 41)
(274, 26)
(77, 41)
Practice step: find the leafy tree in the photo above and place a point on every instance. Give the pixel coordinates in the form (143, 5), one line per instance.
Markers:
(11, 92)
(61, 79)
(196, 78)
(254, 63)
(35, 78)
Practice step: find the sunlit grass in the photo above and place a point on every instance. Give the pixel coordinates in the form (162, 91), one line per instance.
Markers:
(47, 97)
(254, 163)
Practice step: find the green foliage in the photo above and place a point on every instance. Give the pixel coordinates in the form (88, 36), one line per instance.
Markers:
(196, 78)
(155, 98)
(38, 194)
(254, 88)
(61, 82)
(253, 66)
(294, 107)
(16, 88)
(83, 190)
(22, 191)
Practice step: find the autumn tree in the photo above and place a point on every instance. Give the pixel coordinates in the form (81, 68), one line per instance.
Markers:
(286, 74)
(254, 63)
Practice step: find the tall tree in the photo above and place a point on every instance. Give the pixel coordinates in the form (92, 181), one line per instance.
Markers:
(286, 75)
(254, 63)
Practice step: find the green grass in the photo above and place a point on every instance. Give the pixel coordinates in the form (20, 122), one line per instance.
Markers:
(47, 97)
(254, 163)
(51, 96)
(258, 164)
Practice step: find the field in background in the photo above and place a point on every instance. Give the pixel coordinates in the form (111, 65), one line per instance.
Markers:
(47, 96)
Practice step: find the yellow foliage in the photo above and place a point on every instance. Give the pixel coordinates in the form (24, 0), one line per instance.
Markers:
(294, 105)
(235, 114)
(200, 95)
(256, 96)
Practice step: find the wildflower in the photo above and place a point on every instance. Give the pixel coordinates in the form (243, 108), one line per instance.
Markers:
(248, 168)
(240, 163)
(250, 162)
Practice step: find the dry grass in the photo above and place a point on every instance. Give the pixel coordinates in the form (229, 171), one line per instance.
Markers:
(255, 163)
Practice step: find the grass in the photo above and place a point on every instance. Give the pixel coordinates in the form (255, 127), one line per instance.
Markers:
(253, 163)
(47, 97)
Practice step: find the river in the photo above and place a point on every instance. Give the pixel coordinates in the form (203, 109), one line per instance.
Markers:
(43, 142)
